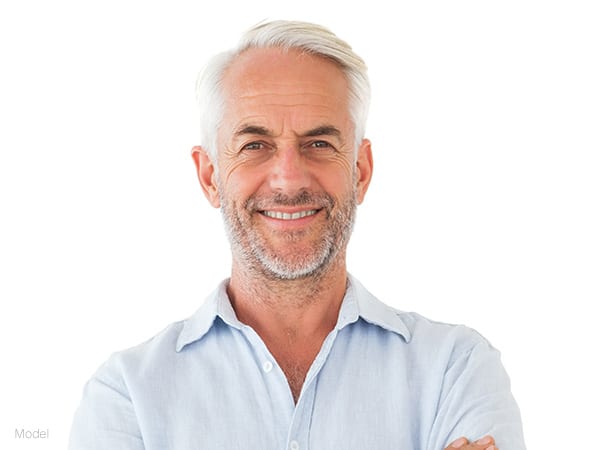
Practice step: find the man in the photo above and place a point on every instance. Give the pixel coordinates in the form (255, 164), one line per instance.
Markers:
(291, 352)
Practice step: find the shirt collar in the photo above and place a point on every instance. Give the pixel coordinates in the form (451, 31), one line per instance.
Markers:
(358, 303)
(217, 304)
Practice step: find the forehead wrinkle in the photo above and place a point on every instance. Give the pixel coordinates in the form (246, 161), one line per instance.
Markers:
(290, 100)
(329, 104)
(318, 123)
(244, 90)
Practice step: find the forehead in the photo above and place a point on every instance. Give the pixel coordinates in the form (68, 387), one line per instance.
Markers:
(259, 79)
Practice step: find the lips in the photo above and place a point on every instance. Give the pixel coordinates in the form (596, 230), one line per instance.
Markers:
(278, 206)
(274, 214)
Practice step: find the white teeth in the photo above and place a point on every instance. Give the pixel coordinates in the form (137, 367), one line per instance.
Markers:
(289, 216)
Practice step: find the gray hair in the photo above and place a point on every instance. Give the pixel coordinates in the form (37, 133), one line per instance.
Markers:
(304, 36)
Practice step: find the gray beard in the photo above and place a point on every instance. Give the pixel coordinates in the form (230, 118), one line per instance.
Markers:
(253, 252)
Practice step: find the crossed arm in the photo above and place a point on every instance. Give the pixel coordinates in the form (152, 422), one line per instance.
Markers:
(485, 443)
(476, 403)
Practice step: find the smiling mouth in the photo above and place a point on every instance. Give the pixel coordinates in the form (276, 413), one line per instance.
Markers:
(290, 216)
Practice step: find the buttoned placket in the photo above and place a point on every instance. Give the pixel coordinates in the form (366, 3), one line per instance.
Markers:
(300, 414)
(299, 431)
(278, 398)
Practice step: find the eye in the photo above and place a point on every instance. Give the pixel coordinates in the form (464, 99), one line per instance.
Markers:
(321, 144)
(253, 146)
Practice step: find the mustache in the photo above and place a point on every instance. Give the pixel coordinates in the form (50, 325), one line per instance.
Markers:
(303, 198)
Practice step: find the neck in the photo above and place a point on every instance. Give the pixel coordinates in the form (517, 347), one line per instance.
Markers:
(295, 309)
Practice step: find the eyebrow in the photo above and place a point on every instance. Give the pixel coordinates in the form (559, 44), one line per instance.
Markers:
(324, 130)
(252, 129)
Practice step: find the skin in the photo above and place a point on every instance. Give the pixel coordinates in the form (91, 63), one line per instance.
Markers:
(286, 145)
(485, 443)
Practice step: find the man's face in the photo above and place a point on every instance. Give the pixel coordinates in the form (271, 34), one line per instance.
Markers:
(288, 179)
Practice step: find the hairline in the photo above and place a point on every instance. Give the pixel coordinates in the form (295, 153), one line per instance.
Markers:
(355, 74)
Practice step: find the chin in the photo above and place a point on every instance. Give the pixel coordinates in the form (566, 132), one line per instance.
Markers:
(308, 264)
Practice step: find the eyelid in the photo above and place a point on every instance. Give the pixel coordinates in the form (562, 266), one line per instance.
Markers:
(253, 143)
(322, 144)
(320, 141)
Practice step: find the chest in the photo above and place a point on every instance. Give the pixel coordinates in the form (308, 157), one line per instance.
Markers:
(336, 410)
(233, 392)
(295, 361)
(295, 373)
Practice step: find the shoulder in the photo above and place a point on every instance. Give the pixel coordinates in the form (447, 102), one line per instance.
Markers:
(143, 358)
(451, 342)
(417, 331)
(423, 328)
(165, 348)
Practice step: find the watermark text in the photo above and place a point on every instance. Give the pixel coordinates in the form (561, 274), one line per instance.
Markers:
(22, 433)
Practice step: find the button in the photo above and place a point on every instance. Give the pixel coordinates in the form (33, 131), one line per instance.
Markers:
(267, 367)
(294, 445)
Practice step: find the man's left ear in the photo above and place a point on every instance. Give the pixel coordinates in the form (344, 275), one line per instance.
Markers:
(364, 169)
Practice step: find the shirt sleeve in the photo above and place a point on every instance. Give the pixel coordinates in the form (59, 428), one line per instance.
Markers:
(476, 400)
(105, 419)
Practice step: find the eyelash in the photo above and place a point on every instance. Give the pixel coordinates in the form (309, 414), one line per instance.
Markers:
(260, 146)
(326, 144)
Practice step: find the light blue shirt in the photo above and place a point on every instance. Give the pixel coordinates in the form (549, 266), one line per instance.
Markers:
(383, 379)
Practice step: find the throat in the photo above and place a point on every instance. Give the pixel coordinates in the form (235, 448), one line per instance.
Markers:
(293, 319)
(295, 364)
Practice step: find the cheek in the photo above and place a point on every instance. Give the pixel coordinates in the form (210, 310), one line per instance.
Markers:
(338, 176)
(236, 184)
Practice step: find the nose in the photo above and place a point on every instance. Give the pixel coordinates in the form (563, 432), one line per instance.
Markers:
(289, 171)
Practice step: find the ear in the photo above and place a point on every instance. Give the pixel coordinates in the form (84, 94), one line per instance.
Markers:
(206, 175)
(364, 169)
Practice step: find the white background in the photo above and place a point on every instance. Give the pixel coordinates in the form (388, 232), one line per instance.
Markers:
(484, 208)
